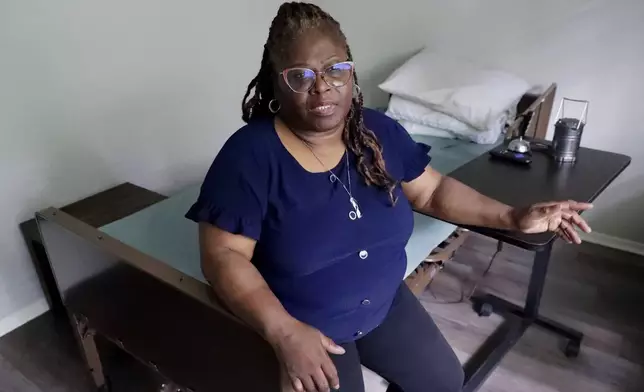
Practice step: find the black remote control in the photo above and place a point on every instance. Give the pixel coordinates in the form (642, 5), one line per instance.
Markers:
(516, 157)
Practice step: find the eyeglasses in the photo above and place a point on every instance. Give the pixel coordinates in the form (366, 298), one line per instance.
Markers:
(302, 80)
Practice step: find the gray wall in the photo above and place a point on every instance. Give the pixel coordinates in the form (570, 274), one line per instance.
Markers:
(97, 93)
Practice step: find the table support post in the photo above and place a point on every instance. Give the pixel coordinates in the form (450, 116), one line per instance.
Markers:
(518, 319)
(537, 282)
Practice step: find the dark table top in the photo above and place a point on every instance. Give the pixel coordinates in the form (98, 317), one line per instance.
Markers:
(543, 180)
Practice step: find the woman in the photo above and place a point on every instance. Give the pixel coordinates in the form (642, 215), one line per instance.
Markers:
(305, 213)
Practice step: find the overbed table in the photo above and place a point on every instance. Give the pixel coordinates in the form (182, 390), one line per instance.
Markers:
(517, 185)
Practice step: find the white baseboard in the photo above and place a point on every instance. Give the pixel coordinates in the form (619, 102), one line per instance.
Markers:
(614, 242)
(23, 316)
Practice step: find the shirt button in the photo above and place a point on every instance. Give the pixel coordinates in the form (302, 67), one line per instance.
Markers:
(363, 254)
(358, 333)
(366, 302)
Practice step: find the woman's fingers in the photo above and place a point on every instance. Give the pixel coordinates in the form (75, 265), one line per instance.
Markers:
(566, 204)
(331, 374)
(321, 381)
(564, 216)
(578, 206)
(305, 356)
(577, 220)
(309, 384)
(575, 205)
(297, 384)
(563, 236)
(330, 346)
(570, 231)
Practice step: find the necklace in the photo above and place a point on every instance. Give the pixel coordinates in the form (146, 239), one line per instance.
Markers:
(356, 213)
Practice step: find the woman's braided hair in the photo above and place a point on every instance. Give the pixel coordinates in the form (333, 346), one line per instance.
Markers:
(292, 20)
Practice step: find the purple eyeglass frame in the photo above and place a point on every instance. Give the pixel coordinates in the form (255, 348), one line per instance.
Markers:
(317, 73)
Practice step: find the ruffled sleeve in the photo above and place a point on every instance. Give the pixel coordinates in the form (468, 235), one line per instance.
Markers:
(233, 195)
(414, 156)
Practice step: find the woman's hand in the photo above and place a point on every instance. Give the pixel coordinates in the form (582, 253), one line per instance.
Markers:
(560, 217)
(303, 352)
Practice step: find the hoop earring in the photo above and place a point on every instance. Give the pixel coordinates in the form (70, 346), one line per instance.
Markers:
(270, 106)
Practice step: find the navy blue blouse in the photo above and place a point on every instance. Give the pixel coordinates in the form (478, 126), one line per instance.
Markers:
(336, 274)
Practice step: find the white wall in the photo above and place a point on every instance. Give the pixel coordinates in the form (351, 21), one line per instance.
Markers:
(594, 49)
(96, 93)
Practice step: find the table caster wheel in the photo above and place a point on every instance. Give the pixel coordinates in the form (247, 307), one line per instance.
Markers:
(572, 349)
(484, 310)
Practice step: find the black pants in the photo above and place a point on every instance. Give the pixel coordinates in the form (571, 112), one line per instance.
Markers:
(407, 350)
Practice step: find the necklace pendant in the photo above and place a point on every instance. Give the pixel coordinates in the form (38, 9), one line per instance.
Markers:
(356, 213)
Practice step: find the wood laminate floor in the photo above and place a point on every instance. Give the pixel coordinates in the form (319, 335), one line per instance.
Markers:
(597, 290)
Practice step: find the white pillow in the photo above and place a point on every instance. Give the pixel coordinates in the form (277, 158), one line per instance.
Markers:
(468, 92)
(419, 119)
(403, 109)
